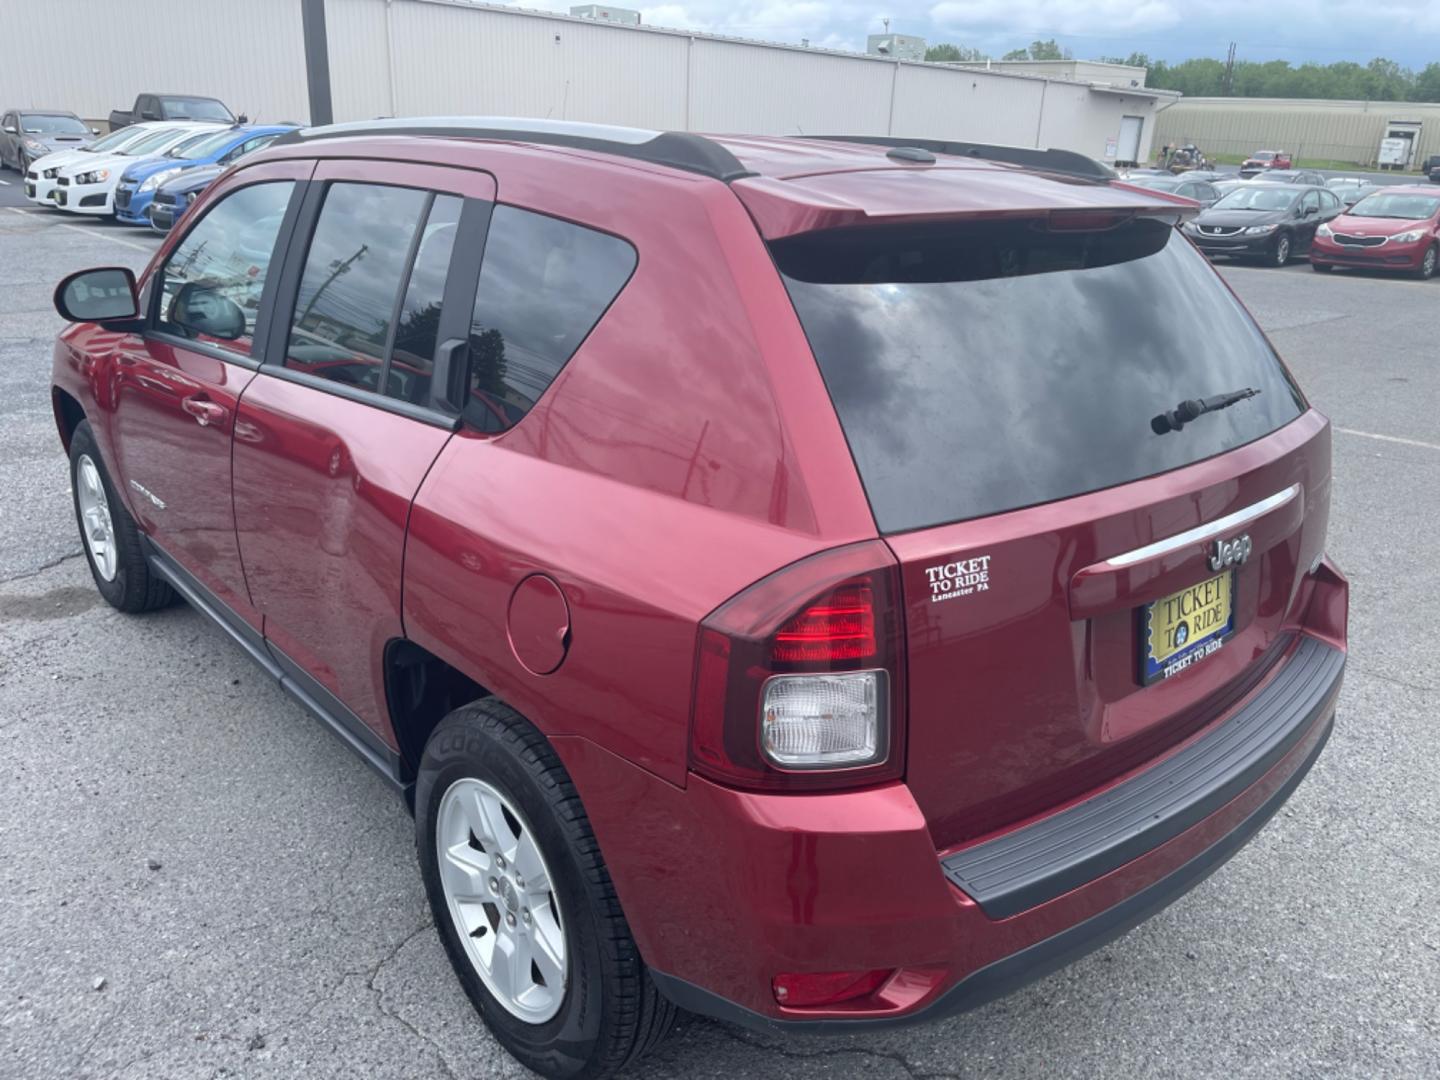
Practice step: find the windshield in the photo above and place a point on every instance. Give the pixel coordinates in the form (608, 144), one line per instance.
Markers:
(1408, 207)
(1257, 197)
(1264, 155)
(52, 125)
(116, 139)
(187, 108)
(205, 145)
(986, 366)
(1156, 183)
(156, 141)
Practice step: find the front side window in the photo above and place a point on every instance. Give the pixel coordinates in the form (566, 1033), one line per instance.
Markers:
(544, 285)
(210, 287)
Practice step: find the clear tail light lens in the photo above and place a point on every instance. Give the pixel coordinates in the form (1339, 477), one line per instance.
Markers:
(800, 678)
(824, 721)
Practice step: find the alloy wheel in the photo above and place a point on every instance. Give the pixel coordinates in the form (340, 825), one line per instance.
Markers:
(1282, 251)
(501, 899)
(1427, 265)
(95, 518)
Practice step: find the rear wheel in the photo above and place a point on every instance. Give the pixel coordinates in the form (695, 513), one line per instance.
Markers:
(1281, 253)
(111, 540)
(523, 902)
(1426, 269)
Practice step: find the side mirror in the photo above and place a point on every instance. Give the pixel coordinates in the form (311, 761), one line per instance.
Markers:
(1309, 211)
(11, 129)
(103, 295)
(242, 119)
(94, 131)
(202, 309)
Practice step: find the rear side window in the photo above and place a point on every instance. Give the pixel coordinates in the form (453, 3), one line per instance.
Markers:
(987, 367)
(353, 274)
(544, 284)
(225, 257)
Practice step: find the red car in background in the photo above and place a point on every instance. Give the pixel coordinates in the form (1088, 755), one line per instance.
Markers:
(1395, 228)
(1262, 160)
(793, 580)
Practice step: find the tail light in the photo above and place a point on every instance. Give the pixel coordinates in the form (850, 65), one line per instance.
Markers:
(800, 679)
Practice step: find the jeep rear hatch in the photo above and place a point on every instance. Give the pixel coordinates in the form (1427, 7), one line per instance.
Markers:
(1002, 384)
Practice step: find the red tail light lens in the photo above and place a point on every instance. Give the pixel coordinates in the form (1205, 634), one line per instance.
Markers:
(840, 627)
(799, 679)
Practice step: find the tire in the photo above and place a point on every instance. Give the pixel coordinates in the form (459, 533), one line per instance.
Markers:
(125, 582)
(1321, 268)
(609, 1012)
(22, 166)
(1427, 265)
(1281, 255)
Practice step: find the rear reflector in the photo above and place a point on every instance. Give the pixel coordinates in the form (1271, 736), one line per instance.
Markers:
(812, 989)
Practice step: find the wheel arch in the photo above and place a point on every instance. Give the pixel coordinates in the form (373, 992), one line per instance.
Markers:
(68, 414)
(421, 689)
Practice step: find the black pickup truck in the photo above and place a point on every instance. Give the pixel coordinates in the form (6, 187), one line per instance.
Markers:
(173, 107)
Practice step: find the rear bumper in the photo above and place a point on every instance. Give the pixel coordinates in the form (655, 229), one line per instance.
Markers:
(724, 890)
(1033, 962)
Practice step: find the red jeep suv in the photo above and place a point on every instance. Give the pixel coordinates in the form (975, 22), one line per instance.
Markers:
(792, 580)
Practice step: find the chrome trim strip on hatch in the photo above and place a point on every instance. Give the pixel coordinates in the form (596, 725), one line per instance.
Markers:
(1208, 531)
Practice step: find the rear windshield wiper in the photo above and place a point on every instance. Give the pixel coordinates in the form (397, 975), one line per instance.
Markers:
(1182, 414)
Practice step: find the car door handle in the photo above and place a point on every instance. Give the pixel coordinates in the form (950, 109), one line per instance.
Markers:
(205, 412)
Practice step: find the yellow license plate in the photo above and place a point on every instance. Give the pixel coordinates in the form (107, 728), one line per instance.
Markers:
(1180, 629)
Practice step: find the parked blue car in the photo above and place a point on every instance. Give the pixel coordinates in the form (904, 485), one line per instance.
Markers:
(138, 186)
(174, 196)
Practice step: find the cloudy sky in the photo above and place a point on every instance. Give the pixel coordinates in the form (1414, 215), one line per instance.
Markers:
(1323, 31)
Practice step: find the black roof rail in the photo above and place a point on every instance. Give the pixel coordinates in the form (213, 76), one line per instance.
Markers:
(1057, 161)
(673, 149)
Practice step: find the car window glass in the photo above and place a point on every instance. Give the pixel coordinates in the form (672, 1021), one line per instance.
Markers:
(941, 343)
(1310, 201)
(412, 360)
(353, 273)
(543, 286)
(223, 260)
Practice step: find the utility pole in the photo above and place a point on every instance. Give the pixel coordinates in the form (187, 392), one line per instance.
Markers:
(317, 61)
(1230, 71)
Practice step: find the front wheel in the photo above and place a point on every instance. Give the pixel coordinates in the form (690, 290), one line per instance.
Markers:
(523, 902)
(110, 537)
(1426, 269)
(1281, 255)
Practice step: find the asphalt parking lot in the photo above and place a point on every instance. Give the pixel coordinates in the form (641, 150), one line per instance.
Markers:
(196, 880)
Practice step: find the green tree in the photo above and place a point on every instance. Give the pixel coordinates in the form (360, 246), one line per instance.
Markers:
(1048, 50)
(1427, 84)
(1016, 54)
(945, 53)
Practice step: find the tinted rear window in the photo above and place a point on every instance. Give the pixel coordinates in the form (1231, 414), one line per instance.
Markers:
(983, 368)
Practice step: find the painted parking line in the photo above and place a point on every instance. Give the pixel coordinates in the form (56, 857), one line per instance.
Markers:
(96, 233)
(1295, 271)
(4, 183)
(1389, 438)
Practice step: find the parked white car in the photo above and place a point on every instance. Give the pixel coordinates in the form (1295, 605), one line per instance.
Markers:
(40, 177)
(88, 187)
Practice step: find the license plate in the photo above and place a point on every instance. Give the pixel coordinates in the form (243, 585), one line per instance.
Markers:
(1180, 630)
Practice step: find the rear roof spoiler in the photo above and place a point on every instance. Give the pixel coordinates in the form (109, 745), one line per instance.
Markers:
(1056, 161)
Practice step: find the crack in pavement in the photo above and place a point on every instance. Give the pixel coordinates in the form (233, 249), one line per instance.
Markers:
(42, 567)
(911, 1070)
(379, 998)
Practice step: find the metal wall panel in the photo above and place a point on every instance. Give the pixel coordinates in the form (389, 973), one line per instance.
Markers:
(1347, 131)
(1085, 120)
(737, 87)
(91, 58)
(360, 61)
(955, 103)
(451, 60)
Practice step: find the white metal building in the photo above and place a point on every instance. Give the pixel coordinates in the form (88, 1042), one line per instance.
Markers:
(417, 57)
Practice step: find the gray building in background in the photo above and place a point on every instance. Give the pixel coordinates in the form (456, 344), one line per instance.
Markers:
(896, 46)
(1346, 132)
